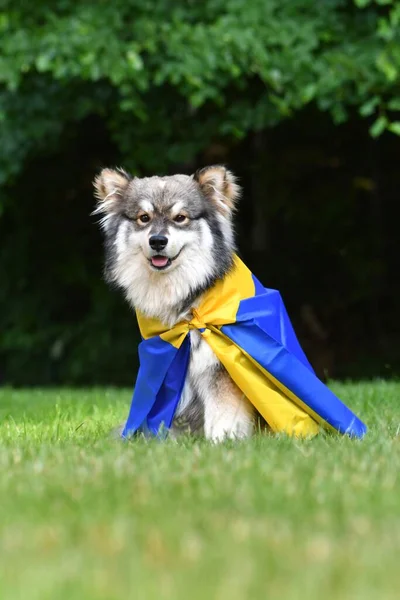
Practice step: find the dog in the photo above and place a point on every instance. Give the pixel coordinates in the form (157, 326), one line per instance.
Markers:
(167, 241)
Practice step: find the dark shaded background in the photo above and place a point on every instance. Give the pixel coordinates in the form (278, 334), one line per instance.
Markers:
(318, 219)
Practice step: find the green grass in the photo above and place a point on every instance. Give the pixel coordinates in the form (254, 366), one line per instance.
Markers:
(86, 517)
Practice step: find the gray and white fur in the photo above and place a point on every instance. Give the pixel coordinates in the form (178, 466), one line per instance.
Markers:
(167, 241)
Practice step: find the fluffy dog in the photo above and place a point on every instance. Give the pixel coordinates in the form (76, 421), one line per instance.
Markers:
(167, 241)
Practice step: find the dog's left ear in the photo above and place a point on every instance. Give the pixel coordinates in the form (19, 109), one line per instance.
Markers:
(220, 187)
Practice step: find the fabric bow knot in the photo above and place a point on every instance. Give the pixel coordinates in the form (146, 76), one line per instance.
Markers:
(215, 312)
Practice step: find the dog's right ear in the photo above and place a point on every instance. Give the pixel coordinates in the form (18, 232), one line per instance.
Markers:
(109, 188)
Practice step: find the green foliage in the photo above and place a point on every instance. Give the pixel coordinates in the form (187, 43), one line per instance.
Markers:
(155, 69)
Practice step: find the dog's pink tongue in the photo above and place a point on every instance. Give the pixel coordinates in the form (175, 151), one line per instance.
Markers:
(159, 261)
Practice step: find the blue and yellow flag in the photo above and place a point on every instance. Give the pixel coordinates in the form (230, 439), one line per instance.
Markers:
(249, 330)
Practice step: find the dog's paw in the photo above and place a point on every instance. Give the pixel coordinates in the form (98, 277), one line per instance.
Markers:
(239, 431)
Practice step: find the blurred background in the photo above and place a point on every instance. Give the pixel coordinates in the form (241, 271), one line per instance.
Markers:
(299, 98)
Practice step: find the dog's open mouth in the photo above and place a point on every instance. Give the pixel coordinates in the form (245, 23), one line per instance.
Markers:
(161, 262)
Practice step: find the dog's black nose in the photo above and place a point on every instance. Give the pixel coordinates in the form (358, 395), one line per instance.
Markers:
(158, 242)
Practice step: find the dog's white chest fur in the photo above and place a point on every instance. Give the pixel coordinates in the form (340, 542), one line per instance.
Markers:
(226, 411)
(201, 371)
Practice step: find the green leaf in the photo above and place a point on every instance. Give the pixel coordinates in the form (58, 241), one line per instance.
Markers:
(378, 127)
(394, 104)
(387, 67)
(368, 107)
(309, 92)
(134, 60)
(394, 127)
(362, 3)
(43, 62)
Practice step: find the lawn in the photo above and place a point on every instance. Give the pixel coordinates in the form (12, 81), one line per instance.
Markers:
(87, 517)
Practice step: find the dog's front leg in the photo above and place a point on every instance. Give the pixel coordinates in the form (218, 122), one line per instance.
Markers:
(227, 412)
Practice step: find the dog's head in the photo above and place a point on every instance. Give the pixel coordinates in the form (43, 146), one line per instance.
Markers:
(167, 231)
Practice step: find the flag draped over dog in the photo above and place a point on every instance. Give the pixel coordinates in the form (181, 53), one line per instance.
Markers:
(248, 328)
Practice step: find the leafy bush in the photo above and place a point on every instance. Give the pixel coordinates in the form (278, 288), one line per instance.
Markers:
(162, 81)
(167, 77)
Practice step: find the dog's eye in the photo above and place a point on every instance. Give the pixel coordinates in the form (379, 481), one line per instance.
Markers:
(144, 218)
(180, 218)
